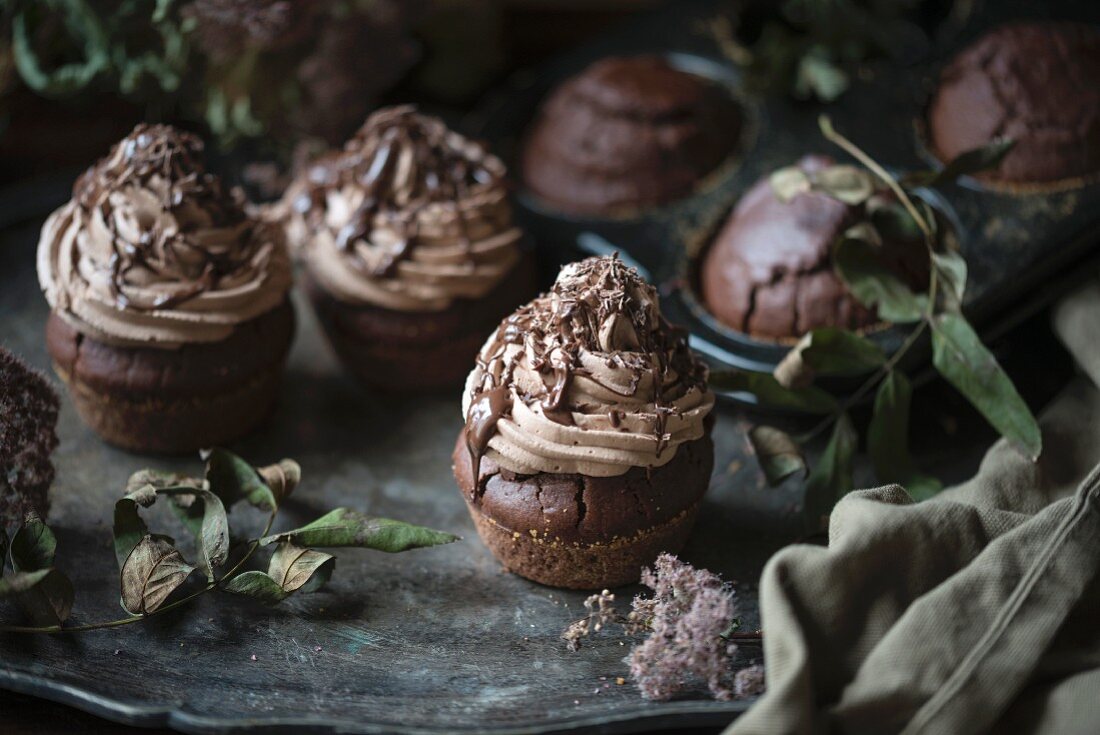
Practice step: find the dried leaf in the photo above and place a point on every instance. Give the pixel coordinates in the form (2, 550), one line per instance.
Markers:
(344, 527)
(282, 478)
(789, 182)
(152, 572)
(844, 182)
(964, 361)
(44, 595)
(300, 570)
(874, 285)
(233, 479)
(831, 478)
(888, 439)
(33, 546)
(778, 454)
(770, 394)
(817, 76)
(3, 549)
(793, 372)
(158, 480)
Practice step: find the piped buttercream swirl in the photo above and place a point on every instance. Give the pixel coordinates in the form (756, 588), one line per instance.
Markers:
(408, 216)
(153, 251)
(587, 379)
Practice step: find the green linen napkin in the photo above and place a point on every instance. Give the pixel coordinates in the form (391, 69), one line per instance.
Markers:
(975, 611)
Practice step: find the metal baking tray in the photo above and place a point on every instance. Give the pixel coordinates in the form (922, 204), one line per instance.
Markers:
(1022, 248)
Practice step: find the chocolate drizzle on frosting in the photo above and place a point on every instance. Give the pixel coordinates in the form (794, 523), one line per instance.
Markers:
(599, 381)
(404, 183)
(153, 248)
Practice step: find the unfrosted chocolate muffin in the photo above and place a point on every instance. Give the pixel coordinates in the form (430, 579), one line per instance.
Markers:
(627, 133)
(410, 249)
(28, 421)
(586, 449)
(1036, 83)
(170, 319)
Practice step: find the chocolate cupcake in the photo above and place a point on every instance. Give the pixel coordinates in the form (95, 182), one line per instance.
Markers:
(587, 448)
(1036, 83)
(627, 133)
(170, 320)
(410, 249)
(769, 270)
(28, 422)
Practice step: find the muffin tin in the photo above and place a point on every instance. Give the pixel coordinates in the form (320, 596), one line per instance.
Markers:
(1022, 249)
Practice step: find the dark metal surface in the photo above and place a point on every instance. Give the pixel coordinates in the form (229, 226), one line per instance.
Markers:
(437, 640)
(1022, 248)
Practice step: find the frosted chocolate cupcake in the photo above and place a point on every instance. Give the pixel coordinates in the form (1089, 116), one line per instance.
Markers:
(587, 448)
(170, 321)
(410, 249)
(1036, 83)
(769, 271)
(627, 133)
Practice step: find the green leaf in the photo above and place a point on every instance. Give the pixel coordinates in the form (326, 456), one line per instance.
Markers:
(33, 546)
(964, 361)
(297, 569)
(258, 586)
(152, 572)
(128, 528)
(966, 163)
(778, 454)
(345, 527)
(770, 394)
(45, 595)
(888, 439)
(893, 221)
(874, 285)
(3, 549)
(204, 515)
(831, 478)
(232, 479)
(832, 351)
(80, 22)
(951, 275)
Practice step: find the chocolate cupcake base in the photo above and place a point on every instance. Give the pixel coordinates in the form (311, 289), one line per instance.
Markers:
(400, 350)
(580, 532)
(174, 401)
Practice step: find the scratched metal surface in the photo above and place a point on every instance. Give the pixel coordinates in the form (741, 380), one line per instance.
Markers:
(437, 640)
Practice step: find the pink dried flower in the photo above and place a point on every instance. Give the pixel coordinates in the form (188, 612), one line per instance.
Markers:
(749, 681)
(687, 615)
(28, 418)
(601, 612)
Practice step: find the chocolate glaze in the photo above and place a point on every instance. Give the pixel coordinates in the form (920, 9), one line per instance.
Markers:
(174, 157)
(405, 162)
(555, 327)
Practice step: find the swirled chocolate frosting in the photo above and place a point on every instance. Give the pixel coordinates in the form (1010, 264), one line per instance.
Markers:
(408, 216)
(588, 378)
(153, 251)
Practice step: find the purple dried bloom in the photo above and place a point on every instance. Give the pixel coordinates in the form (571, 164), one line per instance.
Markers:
(601, 612)
(28, 418)
(749, 681)
(687, 615)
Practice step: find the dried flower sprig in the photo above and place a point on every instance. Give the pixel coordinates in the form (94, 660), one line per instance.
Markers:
(957, 352)
(152, 571)
(689, 623)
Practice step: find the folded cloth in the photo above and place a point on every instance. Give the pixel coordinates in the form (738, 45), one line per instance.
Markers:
(975, 611)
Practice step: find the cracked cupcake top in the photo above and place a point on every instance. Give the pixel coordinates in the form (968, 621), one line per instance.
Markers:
(1036, 83)
(588, 378)
(408, 216)
(153, 251)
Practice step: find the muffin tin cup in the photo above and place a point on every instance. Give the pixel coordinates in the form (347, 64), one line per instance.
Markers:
(1023, 245)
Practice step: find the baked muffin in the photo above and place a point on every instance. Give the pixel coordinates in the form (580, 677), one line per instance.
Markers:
(1036, 83)
(28, 423)
(769, 273)
(170, 320)
(627, 133)
(586, 449)
(410, 249)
